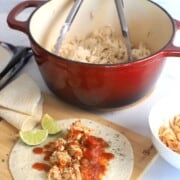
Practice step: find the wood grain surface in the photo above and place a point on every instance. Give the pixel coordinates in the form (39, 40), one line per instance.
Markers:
(144, 152)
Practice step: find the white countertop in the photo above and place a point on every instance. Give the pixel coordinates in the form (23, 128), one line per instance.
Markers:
(133, 117)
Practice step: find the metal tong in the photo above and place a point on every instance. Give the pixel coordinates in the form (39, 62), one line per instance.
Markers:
(67, 24)
(124, 27)
(21, 56)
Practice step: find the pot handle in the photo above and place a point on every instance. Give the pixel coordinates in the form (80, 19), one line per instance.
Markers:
(17, 24)
(171, 49)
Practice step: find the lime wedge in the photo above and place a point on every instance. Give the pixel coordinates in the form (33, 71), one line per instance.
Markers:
(50, 124)
(33, 137)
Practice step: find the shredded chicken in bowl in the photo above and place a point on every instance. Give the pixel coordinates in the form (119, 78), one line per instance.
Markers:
(102, 46)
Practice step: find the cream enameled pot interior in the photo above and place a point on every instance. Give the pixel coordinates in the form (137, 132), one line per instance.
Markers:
(147, 22)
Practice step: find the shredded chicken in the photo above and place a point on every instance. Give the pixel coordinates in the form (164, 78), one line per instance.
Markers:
(102, 46)
(75, 156)
(65, 159)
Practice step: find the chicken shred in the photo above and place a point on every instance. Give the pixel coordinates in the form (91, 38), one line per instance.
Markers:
(65, 159)
(71, 156)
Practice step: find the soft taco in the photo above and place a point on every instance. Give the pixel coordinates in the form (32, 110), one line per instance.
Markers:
(116, 160)
(21, 103)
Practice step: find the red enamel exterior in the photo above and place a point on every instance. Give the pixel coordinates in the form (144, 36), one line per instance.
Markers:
(97, 86)
(101, 86)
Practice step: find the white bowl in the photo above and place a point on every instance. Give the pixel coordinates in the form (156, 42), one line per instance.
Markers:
(159, 115)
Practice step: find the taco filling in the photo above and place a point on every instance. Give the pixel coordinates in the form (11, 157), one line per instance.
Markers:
(75, 156)
(91, 151)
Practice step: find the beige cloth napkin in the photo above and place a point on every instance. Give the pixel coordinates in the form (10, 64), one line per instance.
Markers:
(21, 103)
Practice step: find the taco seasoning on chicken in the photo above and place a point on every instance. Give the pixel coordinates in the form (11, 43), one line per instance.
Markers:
(86, 151)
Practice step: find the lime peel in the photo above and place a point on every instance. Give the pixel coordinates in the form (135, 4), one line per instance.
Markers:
(50, 124)
(33, 137)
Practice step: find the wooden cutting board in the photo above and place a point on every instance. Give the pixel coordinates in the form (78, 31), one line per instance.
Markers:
(144, 152)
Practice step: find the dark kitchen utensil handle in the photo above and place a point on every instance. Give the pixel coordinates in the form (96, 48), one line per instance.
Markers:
(17, 24)
(171, 49)
(20, 51)
(9, 47)
(23, 61)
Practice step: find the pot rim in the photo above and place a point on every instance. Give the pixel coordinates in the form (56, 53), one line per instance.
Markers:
(158, 53)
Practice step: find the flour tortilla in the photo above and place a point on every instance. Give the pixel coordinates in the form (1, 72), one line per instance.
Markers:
(21, 103)
(21, 95)
(22, 121)
(121, 167)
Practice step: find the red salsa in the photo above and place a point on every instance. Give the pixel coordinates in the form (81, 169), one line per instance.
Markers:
(93, 158)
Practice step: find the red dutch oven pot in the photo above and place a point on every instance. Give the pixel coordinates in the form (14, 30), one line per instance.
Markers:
(91, 85)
